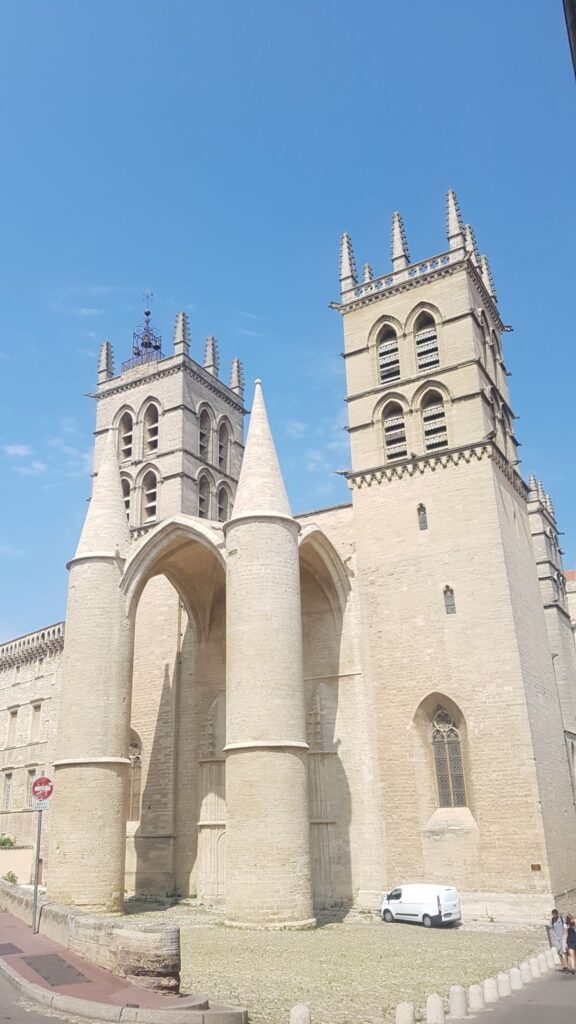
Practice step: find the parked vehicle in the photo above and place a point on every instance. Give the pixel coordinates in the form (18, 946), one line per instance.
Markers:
(427, 904)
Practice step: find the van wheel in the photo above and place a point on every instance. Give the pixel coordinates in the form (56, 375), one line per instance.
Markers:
(427, 921)
(388, 917)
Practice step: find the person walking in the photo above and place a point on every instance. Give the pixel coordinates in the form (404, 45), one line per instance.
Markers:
(571, 942)
(558, 928)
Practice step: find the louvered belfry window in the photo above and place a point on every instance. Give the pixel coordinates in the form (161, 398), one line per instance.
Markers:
(394, 432)
(388, 356)
(434, 422)
(448, 761)
(426, 338)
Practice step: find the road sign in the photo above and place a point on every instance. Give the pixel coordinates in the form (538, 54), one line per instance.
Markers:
(42, 788)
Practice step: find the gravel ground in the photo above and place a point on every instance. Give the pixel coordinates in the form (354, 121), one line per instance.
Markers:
(356, 971)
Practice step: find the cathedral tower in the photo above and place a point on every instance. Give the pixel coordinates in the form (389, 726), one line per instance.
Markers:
(454, 637)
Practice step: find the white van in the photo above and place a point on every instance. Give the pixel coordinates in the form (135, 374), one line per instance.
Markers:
(428, 904)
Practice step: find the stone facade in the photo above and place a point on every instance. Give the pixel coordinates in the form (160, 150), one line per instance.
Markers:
(294, 714)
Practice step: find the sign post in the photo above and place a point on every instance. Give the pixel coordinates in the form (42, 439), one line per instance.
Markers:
(42, 789)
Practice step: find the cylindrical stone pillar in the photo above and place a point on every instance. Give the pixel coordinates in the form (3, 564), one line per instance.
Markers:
(267, 843)
(89, 806)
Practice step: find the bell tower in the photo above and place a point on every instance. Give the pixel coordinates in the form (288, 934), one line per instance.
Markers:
(453, 627)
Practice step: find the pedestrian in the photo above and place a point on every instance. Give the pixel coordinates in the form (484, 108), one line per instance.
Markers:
(558, 928)
(571, 942)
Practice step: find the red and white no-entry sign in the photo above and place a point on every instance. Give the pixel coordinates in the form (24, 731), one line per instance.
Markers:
(42, 788)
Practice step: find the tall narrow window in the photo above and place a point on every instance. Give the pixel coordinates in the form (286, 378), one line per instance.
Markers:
(126, 493)
(12, 726)
(434, 422)
(426, 342)
(448, 761)
(204, 498)
(204, 435)
(149, 497)
(422, 517)
(223, 505)
(449, 601)
(223, 447)
(35, 723)
(388, 356)
(126, 436)
(151, 427)
(29, 784)
(394, 432)
(7, 793)
(135, 755)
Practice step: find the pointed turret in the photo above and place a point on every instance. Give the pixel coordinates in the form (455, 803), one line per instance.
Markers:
(367, 274)
(400, 254)
(487, 277)
(105, 363)
(533, 488)
(471, 246)
(347, 263)
(455, 226)
(106, 526)
(237, 378)
(181, 335)
(212, 356)
(549, 506)
(261, 488)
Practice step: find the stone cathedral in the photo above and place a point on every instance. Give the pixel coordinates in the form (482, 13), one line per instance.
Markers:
(287, 714)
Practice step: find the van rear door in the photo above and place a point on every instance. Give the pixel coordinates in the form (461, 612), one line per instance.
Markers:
(450, 902)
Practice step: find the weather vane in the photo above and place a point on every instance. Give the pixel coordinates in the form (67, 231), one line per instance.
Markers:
(145, 340)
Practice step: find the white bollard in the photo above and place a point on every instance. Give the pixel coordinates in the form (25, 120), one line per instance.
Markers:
(476, 999)
(458, 1004)
(405, 1013)
(434, 1009)
(550, 958)
(490, 990)
(300, 1014)
(555, 956)
(504, 986)
(543, 963)
(534, 967)
(525, 972)
(516, 982)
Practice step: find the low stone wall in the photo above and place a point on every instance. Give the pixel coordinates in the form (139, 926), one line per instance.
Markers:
(145, 954)
(18, 859)
(531, 908)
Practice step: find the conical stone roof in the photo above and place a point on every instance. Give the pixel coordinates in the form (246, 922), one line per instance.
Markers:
(261, 489)
(106, 525)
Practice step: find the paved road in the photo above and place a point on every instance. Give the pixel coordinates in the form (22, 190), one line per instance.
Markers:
(550, 1000)
(10, 1010)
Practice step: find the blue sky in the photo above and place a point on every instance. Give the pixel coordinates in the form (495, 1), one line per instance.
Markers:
(214, 153)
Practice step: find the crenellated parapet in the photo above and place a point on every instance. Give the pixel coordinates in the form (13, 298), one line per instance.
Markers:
(32, 646)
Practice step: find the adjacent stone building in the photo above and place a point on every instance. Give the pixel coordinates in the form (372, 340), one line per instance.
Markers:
(290, 714)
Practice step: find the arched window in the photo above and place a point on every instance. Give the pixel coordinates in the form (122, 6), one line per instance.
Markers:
(204, 435)
(434, 422)
(394, 432)
(449, 600)
(149, 497)
(151, 428)
(223, 505)
(135, 756)
(388, 356)
(126, 493)
(422, 517)
(426, 338)
(448, 760)
(126, 435)
(223, 447)
(204, 498)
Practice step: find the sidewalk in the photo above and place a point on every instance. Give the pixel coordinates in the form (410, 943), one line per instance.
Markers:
(54, 976)
(549, 1000)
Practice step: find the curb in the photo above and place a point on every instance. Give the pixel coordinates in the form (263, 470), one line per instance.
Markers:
(107, 1012)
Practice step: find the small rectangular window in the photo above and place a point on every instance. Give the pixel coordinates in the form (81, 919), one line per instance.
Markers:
(422, 517)
(7, 794)
(12, 727)
(35, 723)
(449, 601)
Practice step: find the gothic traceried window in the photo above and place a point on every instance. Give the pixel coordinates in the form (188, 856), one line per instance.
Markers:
(422, 517)
(448, 760)
(394, 432)
(388, 355)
